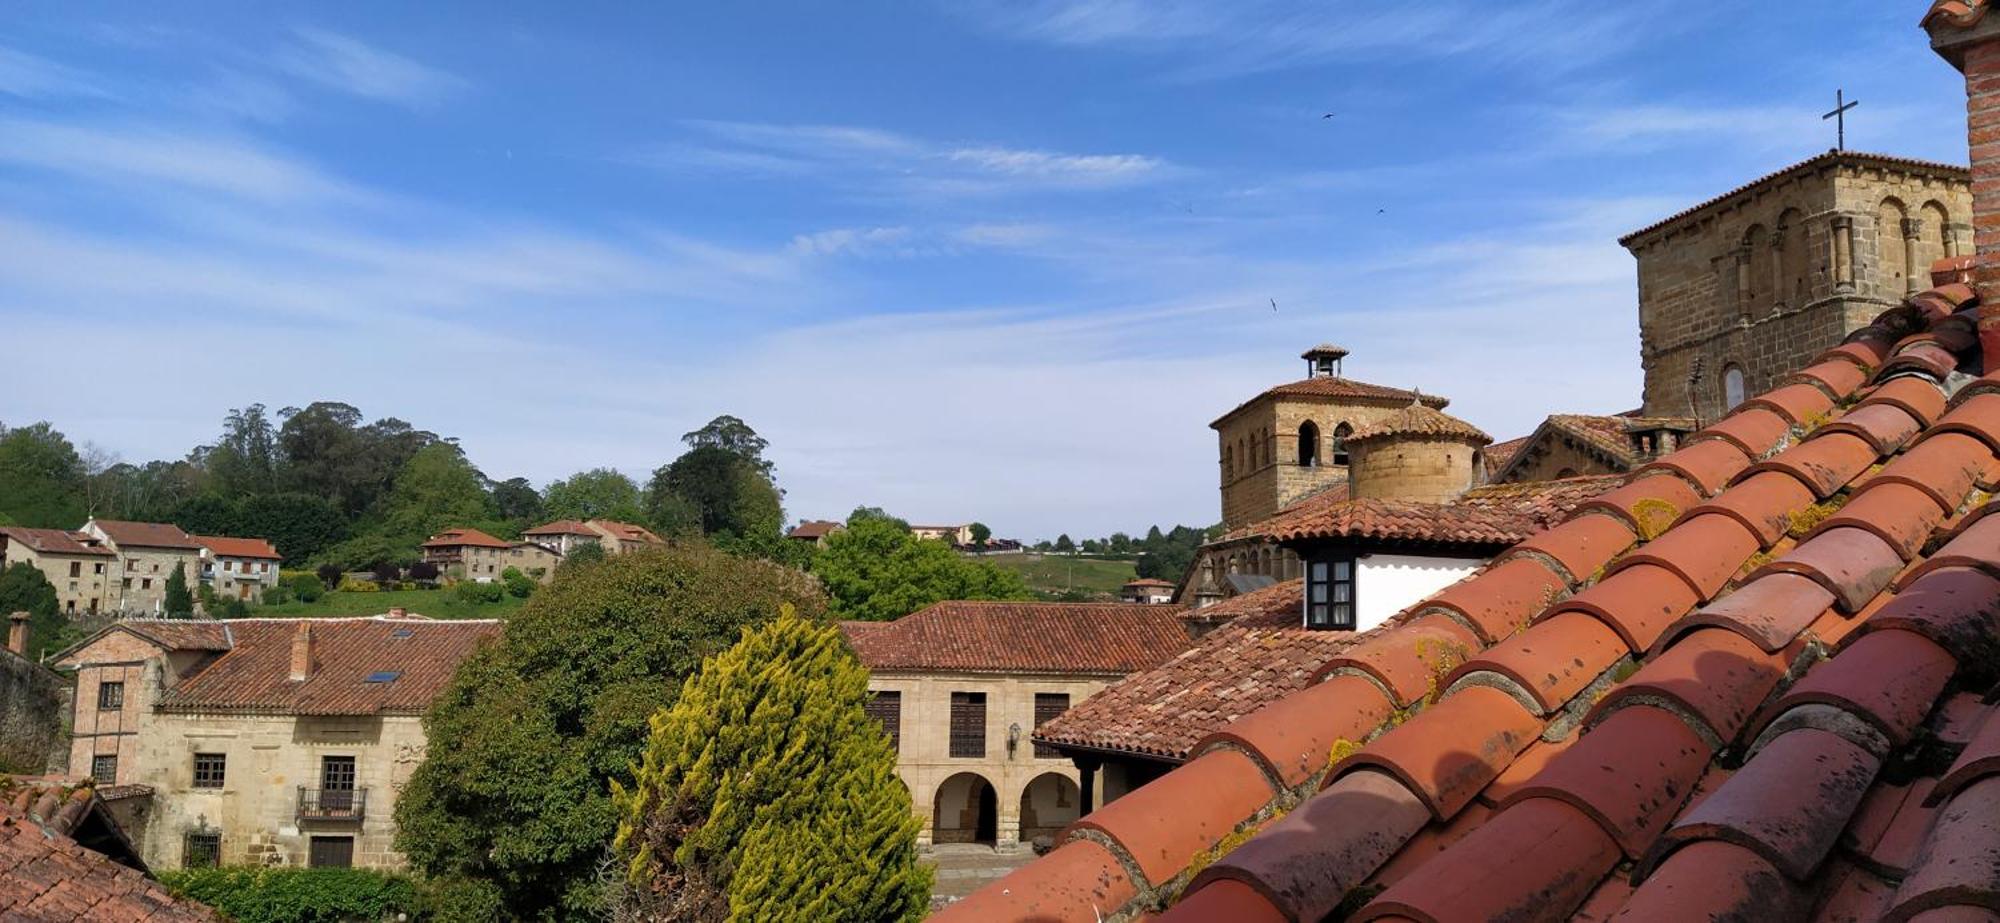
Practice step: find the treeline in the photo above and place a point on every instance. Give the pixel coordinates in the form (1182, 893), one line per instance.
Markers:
(1160, 555)
(329, 487)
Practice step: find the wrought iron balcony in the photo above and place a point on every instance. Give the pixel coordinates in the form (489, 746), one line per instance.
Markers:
(341, 804)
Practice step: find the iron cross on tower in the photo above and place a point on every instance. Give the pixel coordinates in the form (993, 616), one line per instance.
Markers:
(1839, 115)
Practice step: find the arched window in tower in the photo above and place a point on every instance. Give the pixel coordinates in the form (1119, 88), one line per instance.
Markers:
(1791, 252)
(1732, 387)
(1934, 241)
(1891, 251)
(1308, 444)
(1340, 434)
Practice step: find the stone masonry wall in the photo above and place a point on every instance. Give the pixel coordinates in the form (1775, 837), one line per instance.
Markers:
(1258, 482)
(34, 701)
(1424, 470)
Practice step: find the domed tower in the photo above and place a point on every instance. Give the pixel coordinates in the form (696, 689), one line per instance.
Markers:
(1417, 453)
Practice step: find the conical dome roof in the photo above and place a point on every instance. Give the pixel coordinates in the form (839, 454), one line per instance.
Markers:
(1420, 421)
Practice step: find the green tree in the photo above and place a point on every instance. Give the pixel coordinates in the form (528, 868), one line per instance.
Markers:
(518, 501)
(980, 535)
(41, 478)
(729, 492)
(1063, 544)
(767, 788)
(179, 602)
(527, 737)
(23, 588)
(300, 525)
(876, 570)
(732, 435)
(437, 488)
(587, 553)
(245, 460)
(600, 493)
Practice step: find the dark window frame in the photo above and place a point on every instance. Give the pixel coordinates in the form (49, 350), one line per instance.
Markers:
(211, 770)
(1330, 599)
(886, 706)
(1048, 707)
(104, 778)
(201, 849)
(111, 695)
(321, 850)
(968, 725)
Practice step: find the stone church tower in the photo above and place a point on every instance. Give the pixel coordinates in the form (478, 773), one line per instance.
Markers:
(1737, 291)
(1291, 441)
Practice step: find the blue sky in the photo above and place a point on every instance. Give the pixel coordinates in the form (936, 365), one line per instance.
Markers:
(964, 261)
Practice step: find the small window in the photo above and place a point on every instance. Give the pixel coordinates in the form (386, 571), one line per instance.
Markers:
(1340, 434)
(1048, 705)
(208, 769)
(110, 696)
(146, 583)
(104, 769)
(1330, 594)
(76, 568)
(1308, 444)
(202, 851)
(1732, 387)
(384, 676)
(99, 568)
(887, 707)
(968, 724)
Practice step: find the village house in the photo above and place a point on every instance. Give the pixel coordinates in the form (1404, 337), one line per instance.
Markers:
(1149, 590)
(239, 568)
(146, 554)
(956, 535)
(469, 554)
(566, 535)
(961, 687)
(82, 570)
(816, 531)
(263, 741)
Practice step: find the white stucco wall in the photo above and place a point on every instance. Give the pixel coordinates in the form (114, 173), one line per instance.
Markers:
(1385, 584)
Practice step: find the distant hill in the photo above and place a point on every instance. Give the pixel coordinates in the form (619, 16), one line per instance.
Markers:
(1053, 574)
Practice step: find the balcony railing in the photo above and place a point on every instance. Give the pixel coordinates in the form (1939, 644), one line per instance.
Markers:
(345, 804)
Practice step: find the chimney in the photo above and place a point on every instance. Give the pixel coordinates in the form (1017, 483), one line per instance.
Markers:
(17, 633)
(1964, 34)
(302, 651)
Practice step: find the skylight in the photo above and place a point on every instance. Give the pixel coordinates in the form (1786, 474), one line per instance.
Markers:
(383, 676)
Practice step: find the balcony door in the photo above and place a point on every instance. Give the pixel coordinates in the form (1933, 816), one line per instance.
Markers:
(336, 783)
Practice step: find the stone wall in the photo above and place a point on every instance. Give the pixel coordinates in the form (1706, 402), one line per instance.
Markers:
(81, 581)
(1760, 282)
(34, 703)
(1412, 468)
(1258, 452)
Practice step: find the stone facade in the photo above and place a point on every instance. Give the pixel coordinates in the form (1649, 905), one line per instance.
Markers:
(33, 703)
(1280, 448)
(1739, 290)
(240, 578)
(1024, 795)
(84, 582)
(1418, 468)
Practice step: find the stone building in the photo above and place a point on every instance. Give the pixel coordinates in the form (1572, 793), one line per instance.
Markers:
(1739, 290)
(239, 568)
(566, 535)
(34, 702)
(82, 570)
(263, 741)
(957, 535)
(961, 687)
(469, 554)
(146, 555)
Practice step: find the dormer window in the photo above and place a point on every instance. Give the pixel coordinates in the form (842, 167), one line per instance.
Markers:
(1329, 603)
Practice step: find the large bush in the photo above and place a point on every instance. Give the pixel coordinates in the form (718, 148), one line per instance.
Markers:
(296, 895)
(768, 789)
(525, 741)
(478, 594)
(877, 570)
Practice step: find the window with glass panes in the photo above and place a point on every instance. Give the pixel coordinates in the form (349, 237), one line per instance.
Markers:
(1330, 593)
(968, 724)
(208, 770)
(202, 851)
(887, 707)
(104, 769)
(1048, 706)
(110, 696)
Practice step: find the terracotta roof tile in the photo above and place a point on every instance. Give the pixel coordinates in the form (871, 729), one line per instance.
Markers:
(1419, 420)
(146, 534)
(459, 538)
(562, 527)
(52, 541)
(1336, 387)
(1878, 763)
(1093, 638)
(1492, 514)
(228, 547)
(46, 877)
(817, 528)
(254, 671)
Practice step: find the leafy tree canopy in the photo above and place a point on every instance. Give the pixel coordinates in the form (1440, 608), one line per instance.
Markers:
(23, 588)
(877, 570)
(525, 741)
(41, 478)
(768, 790)
(600, 493)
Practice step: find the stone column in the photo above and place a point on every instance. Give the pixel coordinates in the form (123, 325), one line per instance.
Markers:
(1913, 231)
(1843, 253)
(1778, 293)
(1743, 281)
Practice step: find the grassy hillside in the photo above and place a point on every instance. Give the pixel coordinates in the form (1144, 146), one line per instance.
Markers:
(438, 604)
(1052, 574)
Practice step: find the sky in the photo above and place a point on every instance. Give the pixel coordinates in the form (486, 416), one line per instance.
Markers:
(964, 261)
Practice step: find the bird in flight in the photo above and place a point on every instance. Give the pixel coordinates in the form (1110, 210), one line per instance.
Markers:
(1274, 305)
(1327, 116)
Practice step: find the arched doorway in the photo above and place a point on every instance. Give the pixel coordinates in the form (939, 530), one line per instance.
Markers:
(966, 811)
(1048, 804)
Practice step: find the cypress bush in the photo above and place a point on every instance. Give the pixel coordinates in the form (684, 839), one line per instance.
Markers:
(767, 793)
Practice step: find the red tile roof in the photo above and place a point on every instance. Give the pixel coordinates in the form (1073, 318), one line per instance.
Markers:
(146, 534)
(46, 877)
(1491, 514)
(1009, 637)
(52, 541)
(1149, 581)
(254, 673)
(1334, 386)
(1782, 701)
(1418, 420)
(459, 538)
(223, 546)
(817, 528)
(562, 527)
(625, 531)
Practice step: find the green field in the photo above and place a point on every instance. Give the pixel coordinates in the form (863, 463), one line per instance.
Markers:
(438, 604)
(1051, 574)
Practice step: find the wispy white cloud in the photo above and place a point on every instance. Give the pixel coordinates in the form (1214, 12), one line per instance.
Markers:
(349, 65)
(850, 241)
(1241, 36)
(163, 156)
(893, 160)
(26, 75)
